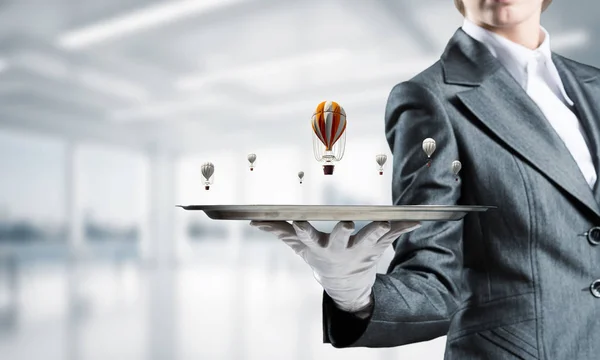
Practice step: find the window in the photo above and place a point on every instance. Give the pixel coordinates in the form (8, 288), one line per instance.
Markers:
(112, 196)
(32, 189)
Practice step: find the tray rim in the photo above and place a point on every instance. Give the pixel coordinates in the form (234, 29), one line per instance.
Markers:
(375, 208)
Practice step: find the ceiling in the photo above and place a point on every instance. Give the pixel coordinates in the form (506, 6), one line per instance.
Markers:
(188, 74)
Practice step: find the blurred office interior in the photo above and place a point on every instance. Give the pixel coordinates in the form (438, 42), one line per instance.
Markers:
(107, 110)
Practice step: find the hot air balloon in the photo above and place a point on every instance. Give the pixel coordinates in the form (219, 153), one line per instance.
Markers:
(208, 171)
(456, 166)
(301, 176)
(329, 134)
(429, 148)
(251, 160)
(381, 159)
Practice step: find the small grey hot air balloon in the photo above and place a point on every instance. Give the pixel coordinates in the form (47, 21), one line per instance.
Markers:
(381, 159)
(456, 166)
(429, 148)
(208, 170)
(251, 160)
(301, 176)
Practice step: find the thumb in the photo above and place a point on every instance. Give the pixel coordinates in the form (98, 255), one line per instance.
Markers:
(284, 232)
(279, 228)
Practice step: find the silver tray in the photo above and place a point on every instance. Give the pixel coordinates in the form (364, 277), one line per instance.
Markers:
(337, 212)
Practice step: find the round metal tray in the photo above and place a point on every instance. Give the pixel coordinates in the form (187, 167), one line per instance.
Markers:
(337, 212)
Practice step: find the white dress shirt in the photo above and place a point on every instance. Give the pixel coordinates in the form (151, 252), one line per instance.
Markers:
(535, 71)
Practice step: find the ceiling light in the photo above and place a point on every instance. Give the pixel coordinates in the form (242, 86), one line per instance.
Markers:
(152, 16)
(254, 72)
(168, 110)
(310, 71)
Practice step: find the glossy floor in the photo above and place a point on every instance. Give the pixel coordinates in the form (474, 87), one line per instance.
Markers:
(260, 302)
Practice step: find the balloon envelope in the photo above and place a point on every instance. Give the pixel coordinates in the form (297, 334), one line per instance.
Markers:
(381, 159)
(429, 146)
(456, 166)
(251, 158)
(208, 169)
(301, 174)
(329, 123)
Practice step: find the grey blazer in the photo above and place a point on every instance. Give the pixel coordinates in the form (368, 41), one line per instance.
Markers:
(516, 282)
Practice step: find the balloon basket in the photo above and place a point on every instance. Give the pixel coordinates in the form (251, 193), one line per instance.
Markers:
(251, 169)
(328, 169)
(381, 173)
(206, 187)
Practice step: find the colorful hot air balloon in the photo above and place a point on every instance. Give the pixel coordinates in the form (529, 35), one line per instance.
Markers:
(381, 159)
(251, 160)
(301, 176)
(456, 166)
(329, 134)
(429, 148)
(208, 170)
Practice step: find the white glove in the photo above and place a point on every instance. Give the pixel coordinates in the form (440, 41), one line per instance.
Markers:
(344, 264)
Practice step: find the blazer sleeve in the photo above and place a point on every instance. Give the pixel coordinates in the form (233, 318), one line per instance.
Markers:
(415, 300)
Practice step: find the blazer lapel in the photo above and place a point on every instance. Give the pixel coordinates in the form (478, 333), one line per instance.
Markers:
(499, 103)
(583, 87)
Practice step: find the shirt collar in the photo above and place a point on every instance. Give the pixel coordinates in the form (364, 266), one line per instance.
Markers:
(499, 45)
(513, 56)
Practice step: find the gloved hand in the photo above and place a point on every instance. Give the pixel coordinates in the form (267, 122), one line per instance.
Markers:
(344, 264)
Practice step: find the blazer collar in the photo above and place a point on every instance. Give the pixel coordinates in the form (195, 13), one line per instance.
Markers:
(498, 103)
(466, 61)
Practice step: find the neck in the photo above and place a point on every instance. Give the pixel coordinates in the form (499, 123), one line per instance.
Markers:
(527, 33)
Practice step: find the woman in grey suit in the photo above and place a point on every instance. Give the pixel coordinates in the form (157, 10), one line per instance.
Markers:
(517, 282)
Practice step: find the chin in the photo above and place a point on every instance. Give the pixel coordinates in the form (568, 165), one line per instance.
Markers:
(509, 15)
(503, 24)
(505, 18)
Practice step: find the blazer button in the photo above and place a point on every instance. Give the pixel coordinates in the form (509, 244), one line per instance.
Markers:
(593, 235)
(595, 288)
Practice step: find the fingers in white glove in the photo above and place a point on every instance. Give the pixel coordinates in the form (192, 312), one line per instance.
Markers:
(340, 235)
(310, 236)
(370, 233)
(284, 232)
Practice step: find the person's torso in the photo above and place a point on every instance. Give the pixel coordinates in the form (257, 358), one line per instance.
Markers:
(528, 265)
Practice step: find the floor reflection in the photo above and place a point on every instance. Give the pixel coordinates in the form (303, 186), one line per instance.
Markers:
(263, 304)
